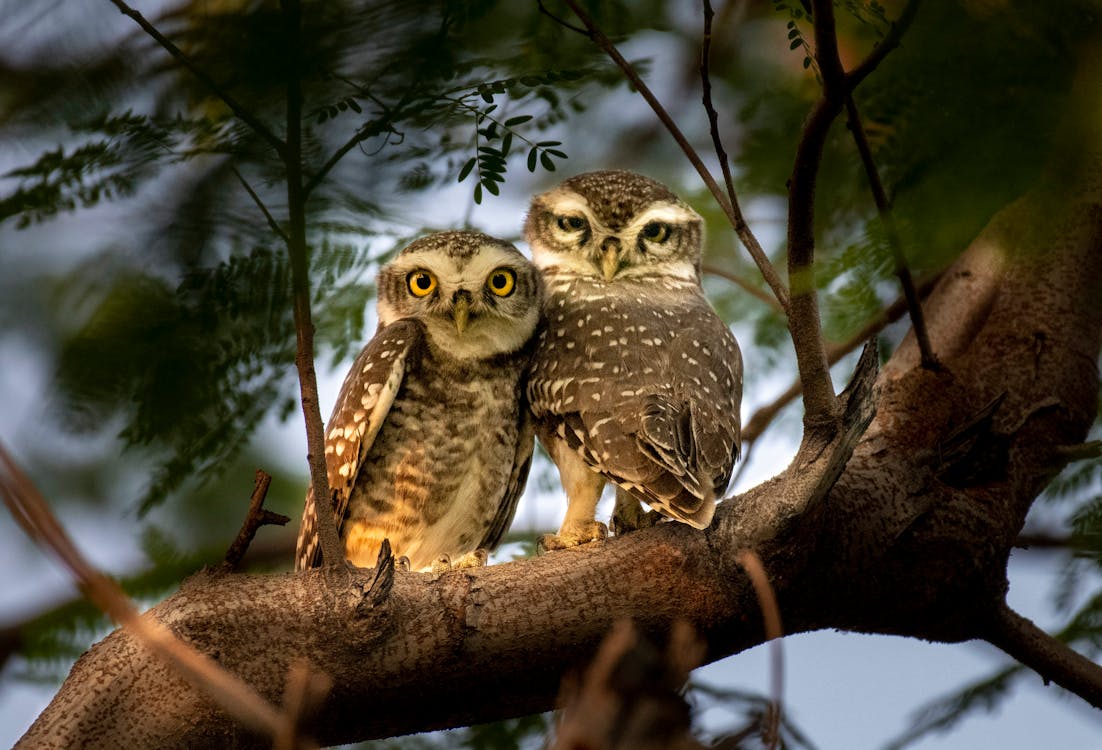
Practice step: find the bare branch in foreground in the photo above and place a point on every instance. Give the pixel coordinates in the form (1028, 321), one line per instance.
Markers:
(1048, 657)
(774, 631)
(630, 696)
(233, 694)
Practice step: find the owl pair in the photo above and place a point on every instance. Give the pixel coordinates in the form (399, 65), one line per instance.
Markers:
(608, 352)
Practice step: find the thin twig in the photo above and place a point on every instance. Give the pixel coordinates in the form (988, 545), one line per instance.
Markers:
(879, 196)
(33, 514)
(743, 284)
(242, 113)
(890, 41)
(742, 229)
(764, 416)
(771, 615)
(331, 549)
(263, 209)
(1052, 659)
(257, 516)
(605, 44)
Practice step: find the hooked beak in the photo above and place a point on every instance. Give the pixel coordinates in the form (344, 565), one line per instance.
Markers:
(610, 258)
(461, 313)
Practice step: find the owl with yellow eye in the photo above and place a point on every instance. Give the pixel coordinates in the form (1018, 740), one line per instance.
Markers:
(430, 440)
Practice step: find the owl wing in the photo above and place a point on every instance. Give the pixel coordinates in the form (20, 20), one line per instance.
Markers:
(522, 462)
(362, 406)
(658, 414)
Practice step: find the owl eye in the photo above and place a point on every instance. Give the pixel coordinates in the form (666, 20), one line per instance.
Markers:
(571, 223)
(656, 231)
(420, 283)
(502, 282)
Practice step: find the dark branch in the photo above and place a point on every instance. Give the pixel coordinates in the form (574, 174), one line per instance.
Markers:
(742, 229)
(804, 324)
(300, 283)
(257, 516)
(243, 114)
(1053, 660)
(890, 41)
(275, 227)
(918, 320)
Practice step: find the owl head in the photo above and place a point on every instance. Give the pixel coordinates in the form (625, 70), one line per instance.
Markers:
(614, 225)
(477, 296)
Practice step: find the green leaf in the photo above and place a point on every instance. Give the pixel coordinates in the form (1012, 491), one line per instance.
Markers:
(466, 170)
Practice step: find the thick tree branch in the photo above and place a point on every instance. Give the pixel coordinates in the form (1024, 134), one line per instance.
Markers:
(240, 111)
(1053, 660)
(890, 549)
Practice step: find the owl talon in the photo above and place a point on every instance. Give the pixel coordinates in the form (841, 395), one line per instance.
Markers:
(572, 535)
(402, 563)
(441, 564)
(476, 559)
(627, 518)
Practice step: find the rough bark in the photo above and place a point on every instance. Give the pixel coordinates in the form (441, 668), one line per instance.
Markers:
(913, 538)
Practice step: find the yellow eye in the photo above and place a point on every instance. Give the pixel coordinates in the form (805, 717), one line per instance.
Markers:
(502, 282)
(656, 231)
(420, 283)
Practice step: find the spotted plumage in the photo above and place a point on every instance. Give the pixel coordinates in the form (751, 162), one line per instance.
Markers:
(430, 440)
(635, 379)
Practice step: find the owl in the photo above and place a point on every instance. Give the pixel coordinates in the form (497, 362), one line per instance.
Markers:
(430, 440)
(635, 379)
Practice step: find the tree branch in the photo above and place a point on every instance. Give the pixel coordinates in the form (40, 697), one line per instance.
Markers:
(256, 517)
(918, 320)
(765, 415)
(240, 111)
(331, 549)
(272, 223)
(742, 229)
(230, 692)
(1048, 657)
(743, 284)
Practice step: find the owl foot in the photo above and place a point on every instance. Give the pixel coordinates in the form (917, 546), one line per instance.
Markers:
(571, 535)
(627, 518)
(476, 559)
(402, 563)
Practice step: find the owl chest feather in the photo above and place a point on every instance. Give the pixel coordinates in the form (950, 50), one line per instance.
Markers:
(435, 475)
(640, 379)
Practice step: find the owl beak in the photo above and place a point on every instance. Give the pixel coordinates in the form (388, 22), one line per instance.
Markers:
(461, 313)
(610, 258)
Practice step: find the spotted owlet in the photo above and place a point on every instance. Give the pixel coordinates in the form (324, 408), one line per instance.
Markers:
(430, 440)
(635, 380)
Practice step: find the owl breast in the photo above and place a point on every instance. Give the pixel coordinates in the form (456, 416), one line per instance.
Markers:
(642, 379)
(438, 470)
